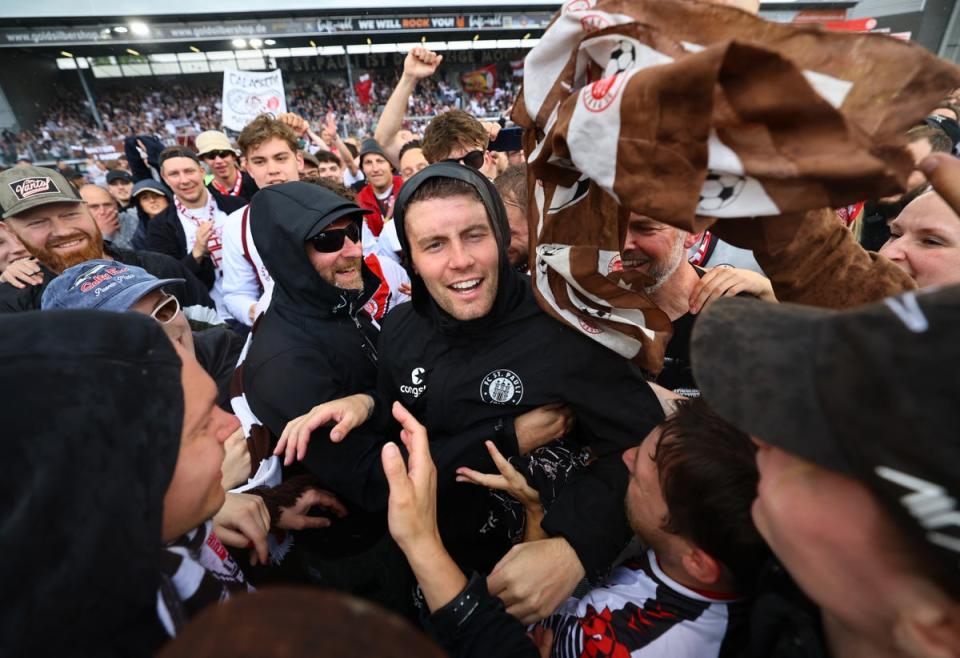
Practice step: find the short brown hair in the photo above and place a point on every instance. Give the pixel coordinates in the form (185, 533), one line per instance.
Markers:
(708, 473)
(337, 188)
(450, 129)
(512, 184)
(940, 142)
(261, 129)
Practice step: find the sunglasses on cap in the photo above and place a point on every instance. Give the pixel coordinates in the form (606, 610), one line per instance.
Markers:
(166, 310)
(331, 240)
(473, 159)
(213, 155)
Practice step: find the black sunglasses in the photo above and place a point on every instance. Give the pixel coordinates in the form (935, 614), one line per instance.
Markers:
(473, 159)
(213, 155)
(331, 240)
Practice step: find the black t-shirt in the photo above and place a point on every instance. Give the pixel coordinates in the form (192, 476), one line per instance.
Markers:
(677, 373)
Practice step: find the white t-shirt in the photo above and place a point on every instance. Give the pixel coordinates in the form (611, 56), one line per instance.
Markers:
(242, 281)
(189, 219)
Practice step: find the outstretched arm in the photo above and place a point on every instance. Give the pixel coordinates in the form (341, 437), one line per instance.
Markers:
(467, 620)
(420, 63)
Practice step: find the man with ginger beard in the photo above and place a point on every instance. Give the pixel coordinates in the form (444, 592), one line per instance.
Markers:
(53, 222)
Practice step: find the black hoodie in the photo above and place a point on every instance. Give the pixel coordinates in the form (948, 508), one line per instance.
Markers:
(92, 431)
(313, 344)
(462, 380)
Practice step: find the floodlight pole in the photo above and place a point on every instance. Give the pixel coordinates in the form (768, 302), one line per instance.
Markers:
(90, 99)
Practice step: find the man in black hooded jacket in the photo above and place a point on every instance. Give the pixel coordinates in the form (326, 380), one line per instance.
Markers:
(118, 458)
(314, 344)
(484, 350)
(473, 352)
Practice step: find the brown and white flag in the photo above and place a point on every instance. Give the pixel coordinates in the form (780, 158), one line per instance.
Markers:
(684, 112)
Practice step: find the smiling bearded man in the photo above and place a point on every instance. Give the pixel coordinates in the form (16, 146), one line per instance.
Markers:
(51, 219)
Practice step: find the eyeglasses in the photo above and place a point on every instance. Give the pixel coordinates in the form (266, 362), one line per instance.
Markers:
(167, 310)
(473, 159)
(213, 155)
(331, 240)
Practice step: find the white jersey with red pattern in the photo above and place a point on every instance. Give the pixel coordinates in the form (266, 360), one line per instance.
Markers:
(642, 612)
(392, 278)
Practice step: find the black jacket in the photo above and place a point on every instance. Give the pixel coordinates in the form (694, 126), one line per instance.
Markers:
(165, 235)
(475, 374)
(248, 187)
(312, 345)
(89, 445)
(190, 293)
(217, 350)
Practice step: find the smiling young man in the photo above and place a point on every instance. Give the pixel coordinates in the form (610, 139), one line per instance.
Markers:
(472, 352)
(380, 193)
(53, 222)
(191, 229)
(271, 155)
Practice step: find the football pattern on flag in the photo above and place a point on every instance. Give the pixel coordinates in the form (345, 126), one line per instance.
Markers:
(685, 112)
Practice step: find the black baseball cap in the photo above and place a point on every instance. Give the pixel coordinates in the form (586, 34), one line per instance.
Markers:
(370, 145)
(119, 174)
(871, 392)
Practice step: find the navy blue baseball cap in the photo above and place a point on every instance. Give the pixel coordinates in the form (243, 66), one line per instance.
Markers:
(106, 285)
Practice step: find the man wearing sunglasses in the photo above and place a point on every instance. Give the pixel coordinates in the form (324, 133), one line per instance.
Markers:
(315, 343)
(107, 285)
(215, 150)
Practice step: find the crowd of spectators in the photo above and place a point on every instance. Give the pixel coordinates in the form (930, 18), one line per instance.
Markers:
(592, 385)
(145, 107)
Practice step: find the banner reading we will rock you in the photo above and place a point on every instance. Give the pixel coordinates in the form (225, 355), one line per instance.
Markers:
(247, 94)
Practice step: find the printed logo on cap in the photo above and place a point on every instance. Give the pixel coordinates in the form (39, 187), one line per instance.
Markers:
(92, 278)
(34, 186)
(501, 387)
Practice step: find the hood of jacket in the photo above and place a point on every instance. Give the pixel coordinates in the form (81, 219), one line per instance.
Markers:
(511, 285)
(92, 432)
(282, 217)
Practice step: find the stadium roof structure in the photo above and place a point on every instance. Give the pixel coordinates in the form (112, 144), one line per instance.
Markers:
(140, 37)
